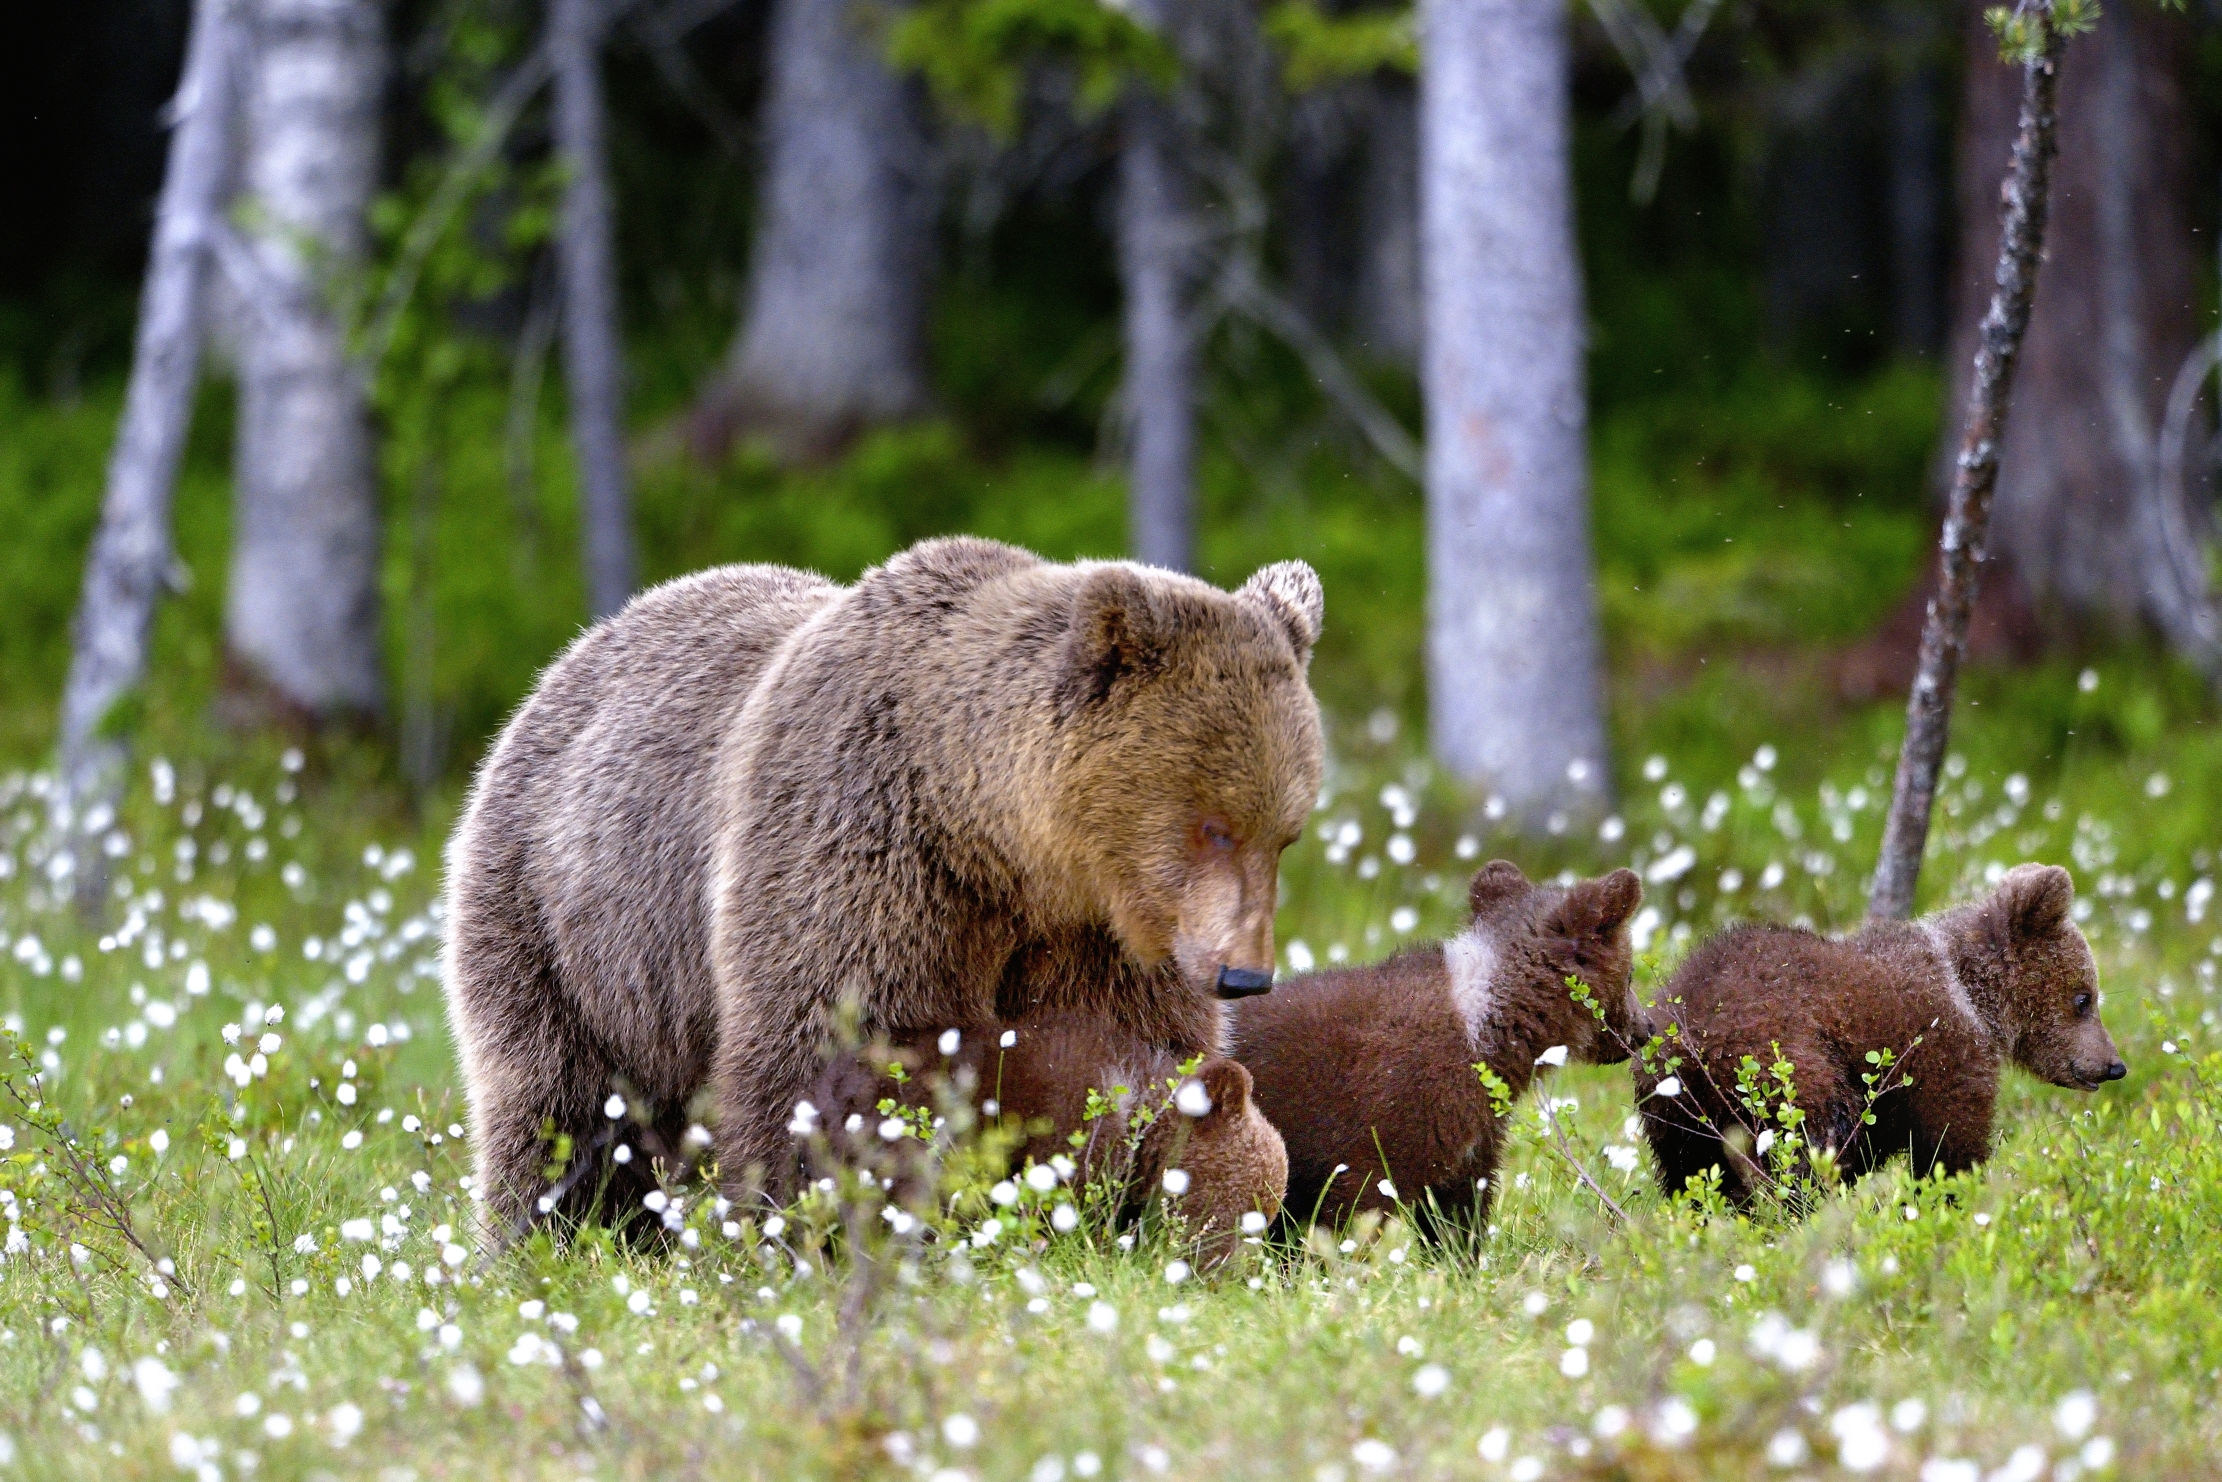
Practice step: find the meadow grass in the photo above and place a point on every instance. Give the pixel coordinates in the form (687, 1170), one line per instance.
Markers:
(245, 1068)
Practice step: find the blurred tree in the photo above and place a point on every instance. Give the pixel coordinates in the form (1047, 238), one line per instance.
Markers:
(1159, 235)
(593, 348)
(833, 324)
(301, 610)
(1513, 660)
(2081, 520)
(130, 560)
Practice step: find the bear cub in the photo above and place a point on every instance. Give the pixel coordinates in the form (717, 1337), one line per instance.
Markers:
(1370, 1072)
(2008, 978)
(1034, 1076)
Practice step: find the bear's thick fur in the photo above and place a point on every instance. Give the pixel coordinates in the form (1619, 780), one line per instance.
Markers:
(2006, 978)
(974, 785)
(1034, 1076)
(1368, 1072)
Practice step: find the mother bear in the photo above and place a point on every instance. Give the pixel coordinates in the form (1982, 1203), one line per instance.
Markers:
(974, 785)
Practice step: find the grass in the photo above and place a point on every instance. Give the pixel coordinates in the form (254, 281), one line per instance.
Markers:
(2059, 1298)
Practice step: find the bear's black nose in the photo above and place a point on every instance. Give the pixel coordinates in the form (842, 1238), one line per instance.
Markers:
(1243, 982)
(2115, 1071)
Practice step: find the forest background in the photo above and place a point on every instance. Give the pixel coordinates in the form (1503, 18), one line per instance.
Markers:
(1141, 279)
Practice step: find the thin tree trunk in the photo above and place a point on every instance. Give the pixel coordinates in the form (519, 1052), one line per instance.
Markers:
(1515, 688)
(1387, 311)
(833, 333)
(1156, 236)
(2078, 488)
(593, 354)
(130, 558)
(2024, 204)
(301, 613)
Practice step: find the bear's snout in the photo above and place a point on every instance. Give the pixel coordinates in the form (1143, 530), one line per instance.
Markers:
(2114, 1071)
(1243, 982)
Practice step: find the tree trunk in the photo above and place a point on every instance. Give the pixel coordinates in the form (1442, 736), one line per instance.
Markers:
(301, 614)
(833, 333)
(592, 350)
(1387, 312)
(1513, 657)
(1915, 148)
(2026, 199)
(130, 558)
(2077, 494)
(1157, 231)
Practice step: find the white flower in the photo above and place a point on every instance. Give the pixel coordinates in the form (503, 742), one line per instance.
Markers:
(1574, 1363)
(346, 1422)
(1192, 1099)
(1373, 1455)
(1950, 1469)
(1103, 1317)
(1064, 1219)
(1580, 1331)
(361, 1229)
(1041, 1178)
(1671, 1086)
(465, 1385)
(1175, 1181)
(960, 1430)
(2075, 1414)
(790, 1327)
(1556, 1055)
(1430, 1381)
(1253, 1223)
(1176, 1273)
(1611, 1421)
(155, 1383)
(1495, 1442)
(158, 1139)
(1862, 1444)
(949, 1043)
(1786, 1448)
(1674, 1421)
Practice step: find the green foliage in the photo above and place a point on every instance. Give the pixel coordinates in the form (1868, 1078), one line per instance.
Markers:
(1318, 49)
(977, 55)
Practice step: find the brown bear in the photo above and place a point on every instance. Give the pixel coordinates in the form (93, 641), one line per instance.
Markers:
(1370, 1073)
(973, 785)
(2007, 978)
(1034, 1077)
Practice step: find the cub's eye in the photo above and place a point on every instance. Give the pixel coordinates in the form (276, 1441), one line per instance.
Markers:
(2082, 1004)
(1216, 834)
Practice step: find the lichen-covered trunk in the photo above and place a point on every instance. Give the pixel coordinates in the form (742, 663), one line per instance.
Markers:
(1515, 690)
(301, 612)
(833, 328)
(2024, 204)
(593, 356)
(2116, 313)
(129, 562)
(1156, 238)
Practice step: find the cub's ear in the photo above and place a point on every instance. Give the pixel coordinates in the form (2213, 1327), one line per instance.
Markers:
(1290, 591)
(1500, 879)
(2037, 899)
(1598, 908)
(1119, 627)
(1229, 1084)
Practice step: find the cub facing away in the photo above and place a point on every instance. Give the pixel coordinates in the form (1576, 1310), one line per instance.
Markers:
(1034, 1075)
(1369, 1072)
(2008, 978)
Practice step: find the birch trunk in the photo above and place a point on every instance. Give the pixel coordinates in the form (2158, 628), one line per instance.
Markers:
(1156, 231)
(593, 354)
(2025, 200)
(833, 332)
(129, 562)
(1513, 656)
(301, 612)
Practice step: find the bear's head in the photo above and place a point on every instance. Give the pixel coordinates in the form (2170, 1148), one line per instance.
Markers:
(1231, 1162)
(2049, 1009)
(1542, 935)
(1188, 758)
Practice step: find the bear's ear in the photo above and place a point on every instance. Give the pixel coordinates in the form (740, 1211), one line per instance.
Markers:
(1290, 591)
(1117, 629)
(2037, 899)
(1228, 1081)
(1598, 908)
(1495, 881)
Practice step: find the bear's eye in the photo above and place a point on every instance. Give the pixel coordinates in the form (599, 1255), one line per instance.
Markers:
(1216, 834)
(2082, 1004)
